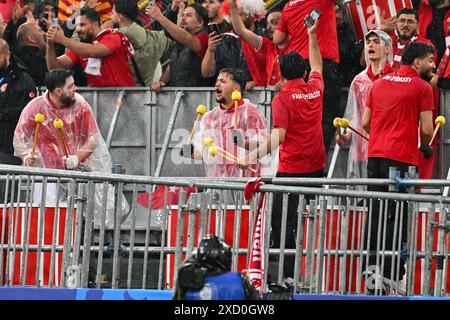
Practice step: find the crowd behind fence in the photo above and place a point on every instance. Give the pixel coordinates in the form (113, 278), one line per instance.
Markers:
(69, 245)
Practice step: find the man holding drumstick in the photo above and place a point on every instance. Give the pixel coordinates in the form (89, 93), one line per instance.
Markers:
(68, 136)
(220, 124)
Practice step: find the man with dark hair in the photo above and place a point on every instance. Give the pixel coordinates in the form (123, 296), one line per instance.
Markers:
(16, 90)
(292, 27)
(68, 137)
(149, 45)
(82, 146)
(103, 53)
(297, 129)
(192, 42)
(397, 105)
(219, 123)
(407, 31)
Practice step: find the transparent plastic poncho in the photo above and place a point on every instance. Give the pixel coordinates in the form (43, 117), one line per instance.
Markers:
(80, 132)
(218, 124)
(357, 96)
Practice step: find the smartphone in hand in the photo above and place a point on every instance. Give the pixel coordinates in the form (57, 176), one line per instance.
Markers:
(213, 27)
(312, 17)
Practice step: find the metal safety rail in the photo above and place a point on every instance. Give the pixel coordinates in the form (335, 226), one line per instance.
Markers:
(336, 251)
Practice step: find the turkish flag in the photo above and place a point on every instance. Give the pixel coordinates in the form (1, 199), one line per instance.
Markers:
(158, 196)
(366, 14)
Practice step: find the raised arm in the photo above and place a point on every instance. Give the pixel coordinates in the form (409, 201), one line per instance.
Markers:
(54, 62)
(209, 60)
(315, 58)
(83, 49)
(240, 29)
(177, 33)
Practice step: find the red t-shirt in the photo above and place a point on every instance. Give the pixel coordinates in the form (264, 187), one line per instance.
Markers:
(203, 38)
(396, 101)
(115, 69)
(298, 109)
(256, 62)
(271, 52)
(292, 22)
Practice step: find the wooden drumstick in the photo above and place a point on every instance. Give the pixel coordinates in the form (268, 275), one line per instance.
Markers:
(344, 123)
(439, 122)
(58, 124)
(39, 118)
(214, 150)
(201, 110)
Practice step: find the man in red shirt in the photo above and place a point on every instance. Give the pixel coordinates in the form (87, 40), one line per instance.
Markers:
(378, 56)
(397, 105)
(103, 53)
(407, 31)
(291, 25)
(297, 122)
(262, 45)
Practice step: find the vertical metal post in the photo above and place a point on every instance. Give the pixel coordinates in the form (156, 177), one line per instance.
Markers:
(117, 223)
(88, 234)
(321, 245)
(169, 130)
(179, 235)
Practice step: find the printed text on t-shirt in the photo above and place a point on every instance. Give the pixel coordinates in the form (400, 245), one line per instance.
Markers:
(397, 79)
(306, 96)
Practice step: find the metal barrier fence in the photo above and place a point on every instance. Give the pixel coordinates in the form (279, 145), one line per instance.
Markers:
(339, 232)
(143, 127)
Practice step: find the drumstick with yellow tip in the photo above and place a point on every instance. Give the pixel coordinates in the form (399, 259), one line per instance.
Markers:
(236, 96)
(209, 142)
(58, 124)
(201, 110)
(344, 123)
(439, 122)
(214, 150)
(337, 122)
(39, 118)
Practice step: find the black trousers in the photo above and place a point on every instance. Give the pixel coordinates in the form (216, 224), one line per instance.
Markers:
(291, 223)
(379, 168)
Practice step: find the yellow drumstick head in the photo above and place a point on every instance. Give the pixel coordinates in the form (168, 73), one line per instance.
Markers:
(58, 123)
(39, 118)
(212, 151)
(142, 5)
(440, 120)
(201, 109)
(337, 122)
(344, 123)
(208, 141)
(236, 95)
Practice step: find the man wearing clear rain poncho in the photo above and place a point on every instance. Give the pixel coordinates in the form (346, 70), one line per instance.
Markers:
(68, 137)
(379, 56)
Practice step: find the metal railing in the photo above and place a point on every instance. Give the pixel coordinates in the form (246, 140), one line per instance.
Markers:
(332, 249)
